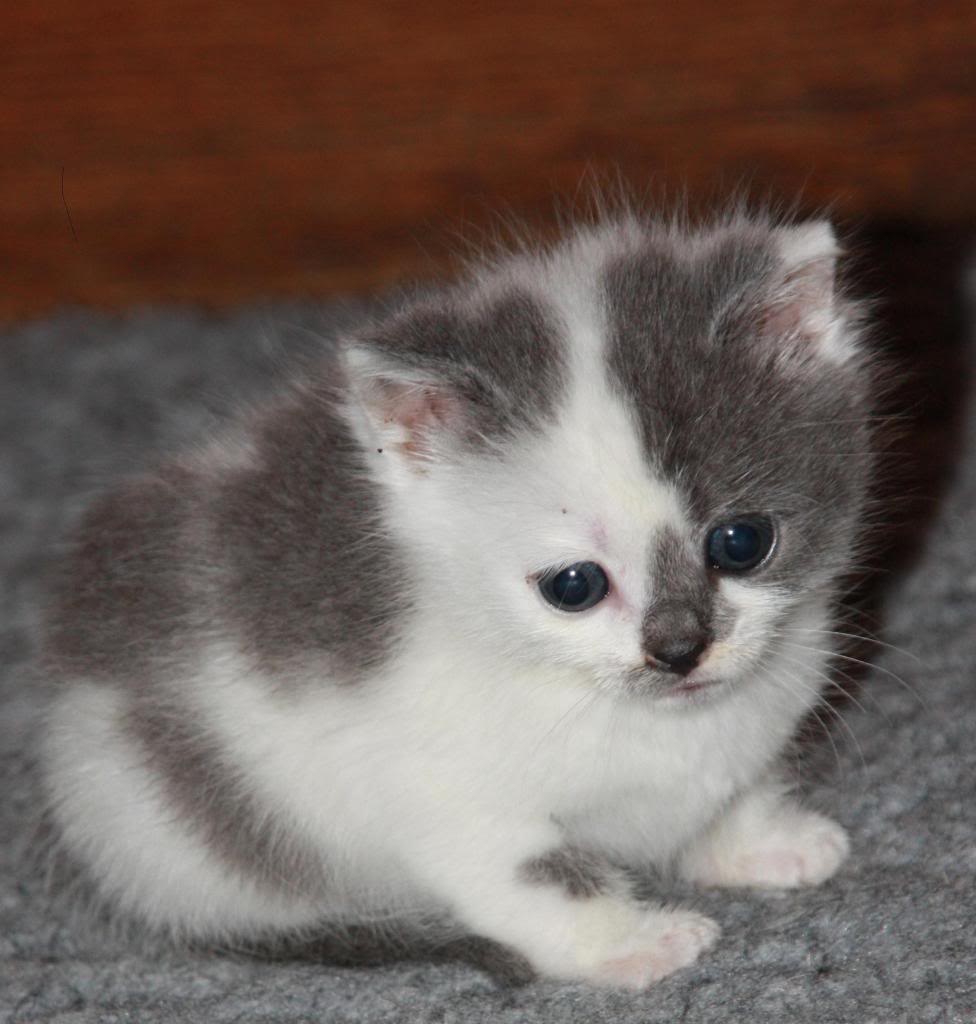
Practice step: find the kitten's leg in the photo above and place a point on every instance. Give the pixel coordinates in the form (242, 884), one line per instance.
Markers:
(570, 915)
(766, 840)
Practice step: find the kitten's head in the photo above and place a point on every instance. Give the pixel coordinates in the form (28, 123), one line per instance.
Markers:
(639, 455)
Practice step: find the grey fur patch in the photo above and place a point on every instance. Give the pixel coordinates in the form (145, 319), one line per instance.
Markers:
(578, 873)
(213, 799)
(312, 576)
(503, 356)
(722, 416)
(363, 945)
(683, 605)
(121, 601)
(502, 962)
(282, 552)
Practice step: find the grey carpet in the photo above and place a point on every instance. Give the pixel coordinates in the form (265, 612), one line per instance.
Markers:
(84, 399)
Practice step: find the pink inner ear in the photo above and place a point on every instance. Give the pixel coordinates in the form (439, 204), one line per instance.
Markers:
(422, 410)
(418, 407)
(805, 302)
(784, 318)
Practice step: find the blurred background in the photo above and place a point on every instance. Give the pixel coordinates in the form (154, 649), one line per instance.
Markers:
(237, 151)
(225, 151)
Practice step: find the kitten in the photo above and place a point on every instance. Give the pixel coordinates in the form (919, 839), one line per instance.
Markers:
(524, 583)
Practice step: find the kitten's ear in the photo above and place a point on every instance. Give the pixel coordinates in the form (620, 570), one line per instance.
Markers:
(408, 411)
(804, 309)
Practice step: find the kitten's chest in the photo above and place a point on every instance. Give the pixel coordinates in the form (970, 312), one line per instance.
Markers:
(636, 777)
(646, 784)
(654, 797)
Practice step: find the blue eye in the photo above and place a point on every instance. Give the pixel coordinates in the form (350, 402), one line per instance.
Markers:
(575, 588)
(740, 544)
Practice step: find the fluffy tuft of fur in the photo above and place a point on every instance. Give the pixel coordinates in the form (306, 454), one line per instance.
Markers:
(311, 682)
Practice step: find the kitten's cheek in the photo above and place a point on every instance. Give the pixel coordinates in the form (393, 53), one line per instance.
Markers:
(718, 656)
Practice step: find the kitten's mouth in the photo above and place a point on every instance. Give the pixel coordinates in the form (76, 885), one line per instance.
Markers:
(695, 690)
(697, 687)
(692, 689)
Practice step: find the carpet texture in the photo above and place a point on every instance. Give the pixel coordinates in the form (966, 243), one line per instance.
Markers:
(86, 399)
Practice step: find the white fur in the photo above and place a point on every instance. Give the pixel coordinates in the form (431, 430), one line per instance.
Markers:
(809, 242)
(116, 818)
(500, 731)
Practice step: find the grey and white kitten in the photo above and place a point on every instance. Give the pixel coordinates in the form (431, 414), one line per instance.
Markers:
(528, 581)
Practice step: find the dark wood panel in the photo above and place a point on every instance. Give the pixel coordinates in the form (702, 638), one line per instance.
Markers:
(222, 150)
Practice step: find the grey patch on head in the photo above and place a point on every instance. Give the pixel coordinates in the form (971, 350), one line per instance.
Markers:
(312, 577)
(502, 355)
(122, 600)
(216, 803)
(721, 417)
(579, 874)
(682, 608)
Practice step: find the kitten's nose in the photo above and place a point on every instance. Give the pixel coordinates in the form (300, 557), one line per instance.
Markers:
(680, 656)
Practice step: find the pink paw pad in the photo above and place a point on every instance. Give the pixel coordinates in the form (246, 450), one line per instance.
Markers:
(668, 943)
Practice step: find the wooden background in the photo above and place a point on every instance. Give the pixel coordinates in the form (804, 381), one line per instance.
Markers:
(230, 150)
(237, 150)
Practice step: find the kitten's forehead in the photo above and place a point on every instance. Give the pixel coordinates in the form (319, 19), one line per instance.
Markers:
(588, 468)
(670, 291)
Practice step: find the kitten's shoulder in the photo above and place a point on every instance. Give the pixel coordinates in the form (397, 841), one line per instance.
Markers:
(270, 535)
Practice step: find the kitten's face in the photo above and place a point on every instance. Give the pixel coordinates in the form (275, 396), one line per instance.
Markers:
(669, 600)
(693, 480)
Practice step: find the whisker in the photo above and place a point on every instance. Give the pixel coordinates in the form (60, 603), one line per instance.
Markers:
(867, 665)
(838, 717)
(567, 717)
(857, 636)
(820, 703)
(832, 683)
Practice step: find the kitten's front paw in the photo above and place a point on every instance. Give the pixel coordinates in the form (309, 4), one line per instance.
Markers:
(797, 849)
(663, 942)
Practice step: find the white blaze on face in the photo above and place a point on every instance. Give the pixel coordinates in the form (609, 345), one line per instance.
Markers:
(580, 491)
